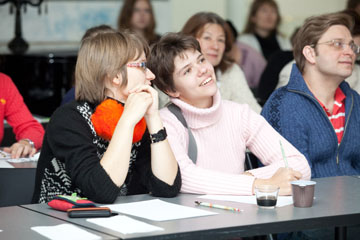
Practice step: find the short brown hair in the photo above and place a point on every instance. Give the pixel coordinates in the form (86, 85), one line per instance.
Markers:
(195, 27)
(124, 19)
(312, 30)
(162, 57)
(102, 57)
(250, 26)
(93, 31)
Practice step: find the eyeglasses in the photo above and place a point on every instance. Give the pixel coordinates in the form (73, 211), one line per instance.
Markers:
(340, 45)
(138, 64)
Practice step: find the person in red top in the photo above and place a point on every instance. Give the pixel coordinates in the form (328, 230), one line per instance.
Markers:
(29, 133)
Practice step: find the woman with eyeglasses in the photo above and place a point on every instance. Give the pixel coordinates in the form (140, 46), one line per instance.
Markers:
(111, 140)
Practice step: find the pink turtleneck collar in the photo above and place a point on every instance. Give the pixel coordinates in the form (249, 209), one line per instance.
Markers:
(200, 117)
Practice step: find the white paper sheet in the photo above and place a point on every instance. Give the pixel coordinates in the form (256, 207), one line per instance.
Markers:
(7, 157)
(64, 231)
(124, 224)
(281, 201)
(158, 210)
(5, 164)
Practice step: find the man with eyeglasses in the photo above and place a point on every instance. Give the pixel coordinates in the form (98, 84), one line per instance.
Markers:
(317, 111)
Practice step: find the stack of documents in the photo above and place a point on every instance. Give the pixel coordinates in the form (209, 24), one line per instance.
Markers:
(7, 157)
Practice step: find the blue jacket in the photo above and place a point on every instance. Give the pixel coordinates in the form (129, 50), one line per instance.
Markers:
(296, 114)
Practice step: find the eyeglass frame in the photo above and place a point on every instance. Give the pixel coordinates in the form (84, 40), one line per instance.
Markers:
(138, 64)
(332, 42)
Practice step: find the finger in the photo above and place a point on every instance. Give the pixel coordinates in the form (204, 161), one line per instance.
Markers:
(16, 151)
(297, 175)
(140, 94)
(26, 151)
(139, 88)
(133, 90)
(7, 149)
(285, 192)
(33, 151)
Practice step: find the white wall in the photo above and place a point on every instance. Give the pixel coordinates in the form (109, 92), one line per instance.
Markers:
(182, 10)
(67, 20)
(293, 12)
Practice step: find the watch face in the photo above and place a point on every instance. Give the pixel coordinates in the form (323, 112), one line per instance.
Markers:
(32, 144)
(159, 136)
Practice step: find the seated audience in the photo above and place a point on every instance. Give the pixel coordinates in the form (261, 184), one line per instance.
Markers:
(111, 140)
(250, 60)
(138, 16)
(261, 29)
(222, 129)
(215, 41)
(317, 111)
(28, 132)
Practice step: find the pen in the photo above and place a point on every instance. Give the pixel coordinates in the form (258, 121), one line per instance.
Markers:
(205, 204)
(283, 154)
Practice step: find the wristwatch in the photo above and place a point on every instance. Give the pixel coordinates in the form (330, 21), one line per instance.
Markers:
(32, 144)
(159, 136)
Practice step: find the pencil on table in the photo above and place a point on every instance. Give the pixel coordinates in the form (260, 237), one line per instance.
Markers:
(205, 204)
(283, 154)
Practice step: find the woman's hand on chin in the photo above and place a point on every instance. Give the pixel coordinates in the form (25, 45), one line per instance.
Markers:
(154, 106)
(136, 106)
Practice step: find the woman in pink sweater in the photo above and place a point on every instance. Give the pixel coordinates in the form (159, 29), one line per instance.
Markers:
(222, 129)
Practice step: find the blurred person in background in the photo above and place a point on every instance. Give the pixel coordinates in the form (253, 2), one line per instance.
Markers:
(138, 16)
(261, 29)
(215, 40)
(250, 60)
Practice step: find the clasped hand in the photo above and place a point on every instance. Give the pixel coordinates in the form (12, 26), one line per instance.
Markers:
(142, 101)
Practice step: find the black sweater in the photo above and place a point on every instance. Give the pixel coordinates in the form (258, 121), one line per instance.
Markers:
(70, 161)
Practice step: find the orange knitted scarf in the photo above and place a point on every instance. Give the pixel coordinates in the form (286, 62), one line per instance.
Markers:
(106, 117)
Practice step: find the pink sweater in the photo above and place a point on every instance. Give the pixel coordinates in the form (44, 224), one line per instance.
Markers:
(15, 112)
(222, 134)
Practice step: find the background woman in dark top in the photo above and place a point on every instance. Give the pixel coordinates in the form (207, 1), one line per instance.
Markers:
(138, 16)
(111, 140)
(261, 29)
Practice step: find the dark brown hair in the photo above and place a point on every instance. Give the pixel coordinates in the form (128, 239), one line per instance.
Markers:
(195, 27)
(124, 19)
(101, 58)
(312, 30)
(250, 26)
(356, 17)
(352, 4)
(162, 57)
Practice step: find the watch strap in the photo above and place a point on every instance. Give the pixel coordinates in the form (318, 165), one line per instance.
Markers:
(32, 144)
(159, 136)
